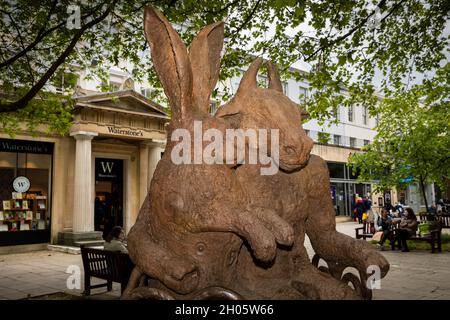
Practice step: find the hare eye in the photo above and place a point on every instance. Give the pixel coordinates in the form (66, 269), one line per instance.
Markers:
(289, 150)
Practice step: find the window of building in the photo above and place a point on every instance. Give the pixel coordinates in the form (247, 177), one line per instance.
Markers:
(336, 113)
(350, 113)
(353, 175)
(146, 92)
(352, 142)
(25, 192)
(213, 107)
(337, 140)
(365, 115)
(285, 88)
(336, 170)
(303, 94)
(323, 137)
(366, 142)
(114, 86)
(110, 86)
(262, 81)
(307, 132)
(63, 81)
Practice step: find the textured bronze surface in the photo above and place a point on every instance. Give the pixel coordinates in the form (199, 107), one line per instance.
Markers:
(225, 230)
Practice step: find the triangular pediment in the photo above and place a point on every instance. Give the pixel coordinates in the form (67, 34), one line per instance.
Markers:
(127, 101)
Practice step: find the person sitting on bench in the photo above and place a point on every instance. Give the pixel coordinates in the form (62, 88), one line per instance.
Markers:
(407, 228)
(115, 240)
(385, 225)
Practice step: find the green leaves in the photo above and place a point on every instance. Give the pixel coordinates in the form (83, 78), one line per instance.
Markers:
(347, 44)
(413, 140)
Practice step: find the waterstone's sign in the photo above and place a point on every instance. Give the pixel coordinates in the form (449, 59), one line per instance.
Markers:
(108, 169)
(125, 132)
(24, 146)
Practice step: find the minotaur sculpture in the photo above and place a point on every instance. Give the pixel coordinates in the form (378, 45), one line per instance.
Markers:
(224, 230)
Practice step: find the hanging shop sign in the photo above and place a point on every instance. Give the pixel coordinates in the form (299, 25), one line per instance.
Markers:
(21, 184)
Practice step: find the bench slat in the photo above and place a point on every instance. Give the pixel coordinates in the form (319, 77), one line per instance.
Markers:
(106, 265)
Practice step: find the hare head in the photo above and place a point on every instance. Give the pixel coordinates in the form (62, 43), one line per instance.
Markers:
(260, 108)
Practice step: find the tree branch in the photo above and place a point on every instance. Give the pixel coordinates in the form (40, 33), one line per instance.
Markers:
(358, 26)
(247, 20)
(22, 102)
(41, 35)
(222, 9)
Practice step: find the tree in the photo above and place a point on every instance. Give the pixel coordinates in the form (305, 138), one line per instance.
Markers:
(413, 139)
(345, 43)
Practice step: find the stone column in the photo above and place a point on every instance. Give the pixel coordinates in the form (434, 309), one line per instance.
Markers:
(143, 172)
(154, 155)
(83, 208)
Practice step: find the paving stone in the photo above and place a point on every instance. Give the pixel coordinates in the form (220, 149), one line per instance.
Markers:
(413, 275)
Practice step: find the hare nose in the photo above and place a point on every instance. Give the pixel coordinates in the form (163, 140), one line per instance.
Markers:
(289, 150)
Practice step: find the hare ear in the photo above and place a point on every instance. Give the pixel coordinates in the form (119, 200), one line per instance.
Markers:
(274, 77)
(204, 55)
(248, 81)
(171, 61)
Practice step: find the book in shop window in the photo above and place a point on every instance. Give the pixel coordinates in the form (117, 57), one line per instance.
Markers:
(6, 205)
(24, 227)
(17, 195)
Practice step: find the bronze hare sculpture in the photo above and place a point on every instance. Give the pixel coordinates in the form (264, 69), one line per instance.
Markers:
(224, 230)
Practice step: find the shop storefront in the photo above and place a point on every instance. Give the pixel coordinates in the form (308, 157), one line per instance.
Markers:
(66, 190)
(25, 191)
(344, 188)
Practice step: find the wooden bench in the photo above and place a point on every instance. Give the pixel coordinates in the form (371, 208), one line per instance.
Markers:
(107, 265)
(366, 231)
(433, 238)
(444, 219)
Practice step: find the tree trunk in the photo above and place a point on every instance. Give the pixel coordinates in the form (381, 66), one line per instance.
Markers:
(422, 186)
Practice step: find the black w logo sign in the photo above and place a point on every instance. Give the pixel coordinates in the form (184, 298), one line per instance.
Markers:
(107, 166)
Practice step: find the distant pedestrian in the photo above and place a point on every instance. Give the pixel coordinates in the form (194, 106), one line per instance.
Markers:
(400, 209)
(359, 210)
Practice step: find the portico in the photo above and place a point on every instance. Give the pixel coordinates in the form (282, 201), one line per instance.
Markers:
(119, 138)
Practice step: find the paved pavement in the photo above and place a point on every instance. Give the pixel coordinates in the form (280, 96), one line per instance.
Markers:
(413, 275)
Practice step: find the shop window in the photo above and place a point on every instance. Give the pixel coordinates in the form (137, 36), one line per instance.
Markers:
(25, 192)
